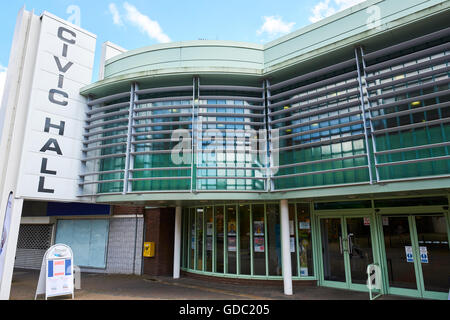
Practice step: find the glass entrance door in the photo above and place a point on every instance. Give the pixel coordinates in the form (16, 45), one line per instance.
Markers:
(332, 250)
(346, 251)
(434, 252)
(399, 254)
(417, 255)
(359, 248)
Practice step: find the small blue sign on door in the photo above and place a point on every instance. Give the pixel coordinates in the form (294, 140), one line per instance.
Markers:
(423, 254)
(409, 254)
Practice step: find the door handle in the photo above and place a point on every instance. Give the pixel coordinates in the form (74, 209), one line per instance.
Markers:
(340, 244)
(350, 243)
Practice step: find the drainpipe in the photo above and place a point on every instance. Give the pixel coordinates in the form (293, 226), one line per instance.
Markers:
(285, 247)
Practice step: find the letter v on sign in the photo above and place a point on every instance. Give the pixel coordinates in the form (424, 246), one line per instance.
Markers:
(60, 67)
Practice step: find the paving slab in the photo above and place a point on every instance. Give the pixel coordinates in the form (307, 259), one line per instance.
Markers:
(96, 286)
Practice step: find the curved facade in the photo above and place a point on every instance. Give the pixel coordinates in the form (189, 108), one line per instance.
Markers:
(376, 116)
(351, 129)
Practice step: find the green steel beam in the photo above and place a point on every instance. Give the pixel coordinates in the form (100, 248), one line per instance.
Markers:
(401, 188)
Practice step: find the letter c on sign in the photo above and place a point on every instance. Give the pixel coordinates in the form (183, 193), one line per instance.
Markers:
(51, 97)
(61, 32)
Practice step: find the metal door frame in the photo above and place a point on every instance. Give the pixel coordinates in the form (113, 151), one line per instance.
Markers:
(343, 215)
(410, 213)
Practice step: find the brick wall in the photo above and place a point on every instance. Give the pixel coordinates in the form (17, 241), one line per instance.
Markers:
(124, 210)
(159, 228)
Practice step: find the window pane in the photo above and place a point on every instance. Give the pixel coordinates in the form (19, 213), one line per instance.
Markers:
(231, 239)
(332, 249)
(343, 205)
(219, 238)
(192, 237)
(273, 240)
(434, 252)
(429, 201)
(209, 237)
(259, 261)
(304, 240)
(244, 238)
(199, 238)
(292, 242)
(185, 237)
(397, 240)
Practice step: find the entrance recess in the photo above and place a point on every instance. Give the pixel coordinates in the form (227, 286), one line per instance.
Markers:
(346, 251)
(417, 255)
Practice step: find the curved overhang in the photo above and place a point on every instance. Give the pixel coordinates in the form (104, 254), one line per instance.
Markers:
(191, 57)
(363, 191)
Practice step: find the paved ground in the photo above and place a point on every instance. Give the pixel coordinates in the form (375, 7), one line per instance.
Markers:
(129, 287)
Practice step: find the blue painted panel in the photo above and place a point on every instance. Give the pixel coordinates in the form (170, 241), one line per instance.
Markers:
(76, 209)
(87, 238)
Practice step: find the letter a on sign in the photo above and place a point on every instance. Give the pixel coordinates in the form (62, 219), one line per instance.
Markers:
(48, 146)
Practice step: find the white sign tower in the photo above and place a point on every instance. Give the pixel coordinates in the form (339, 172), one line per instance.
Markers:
(42, 118)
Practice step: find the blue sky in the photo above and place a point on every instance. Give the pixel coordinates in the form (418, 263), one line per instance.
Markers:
(136, 23)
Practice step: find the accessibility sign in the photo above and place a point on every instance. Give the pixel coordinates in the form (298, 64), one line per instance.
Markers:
(423, 254)
(409, 254)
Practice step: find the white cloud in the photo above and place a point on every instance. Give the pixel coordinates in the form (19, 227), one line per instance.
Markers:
(274, 25)
(3, 71)
(326, 8)
(115, 14)
(145, 24)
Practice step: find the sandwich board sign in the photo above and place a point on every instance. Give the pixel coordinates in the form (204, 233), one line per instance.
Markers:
(56, 277)
(373, 280)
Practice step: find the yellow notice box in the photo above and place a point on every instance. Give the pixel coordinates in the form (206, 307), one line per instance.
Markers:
(149, 249)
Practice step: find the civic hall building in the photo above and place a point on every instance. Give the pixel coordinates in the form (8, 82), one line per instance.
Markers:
(304, 160)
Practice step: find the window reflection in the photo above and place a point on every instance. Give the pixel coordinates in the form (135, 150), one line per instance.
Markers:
(192, 237)
(245, 239)
(292, 239)
(209, 232)
(231, 239)
(273, 239)
(259, 264)
(199, 239)
(304, 240)
(219, 238)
